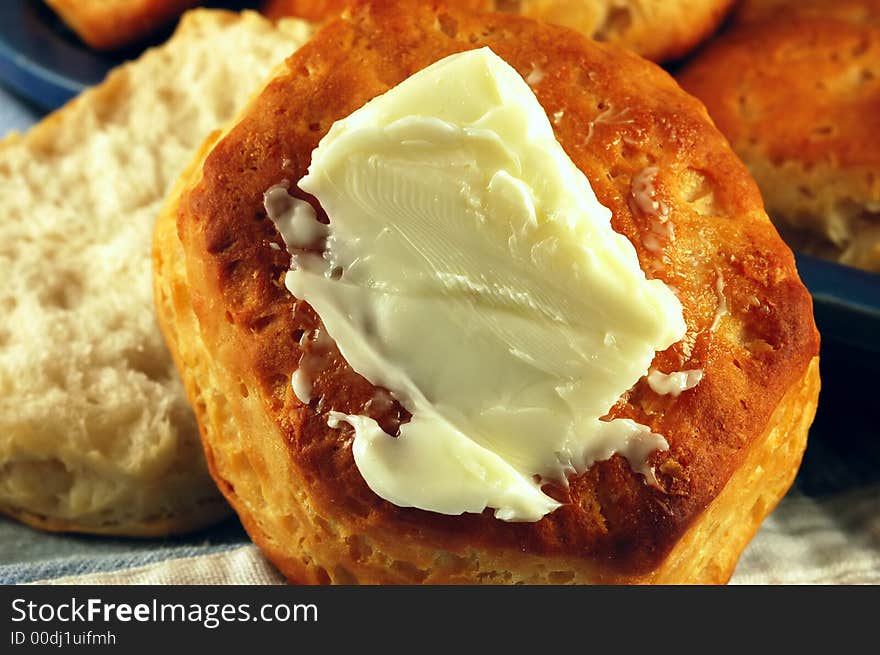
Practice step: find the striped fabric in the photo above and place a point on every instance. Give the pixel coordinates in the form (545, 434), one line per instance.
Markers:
(833, 540)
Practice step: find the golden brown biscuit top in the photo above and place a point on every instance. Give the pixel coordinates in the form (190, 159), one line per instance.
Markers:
(108, 24)
(615, 115)
(806, 89)
(858, 11)
(314, 10)
(660, 30)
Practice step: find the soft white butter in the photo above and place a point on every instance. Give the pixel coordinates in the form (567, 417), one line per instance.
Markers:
(645, 195)
(294, 218)
(482, 284)
(673, 384)
(720, 311)
(302, 385)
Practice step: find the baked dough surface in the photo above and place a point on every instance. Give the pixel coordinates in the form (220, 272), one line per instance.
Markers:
(108, 24)
(799, 99)
(735, 440)
(660, 30)
(859, 11)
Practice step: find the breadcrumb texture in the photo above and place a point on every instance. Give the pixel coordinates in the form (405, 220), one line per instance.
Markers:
(109, 24)
(799, 99)
(95, 431)
(660, 30)
(735, 440)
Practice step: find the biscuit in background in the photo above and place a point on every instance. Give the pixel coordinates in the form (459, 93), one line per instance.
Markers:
(109, 24)
(736, 439)
(95, 431)
(660, 30)
(314, 10)
(857, 11)
(799, 100)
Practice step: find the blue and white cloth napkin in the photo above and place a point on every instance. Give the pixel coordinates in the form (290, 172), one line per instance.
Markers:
(834, 540)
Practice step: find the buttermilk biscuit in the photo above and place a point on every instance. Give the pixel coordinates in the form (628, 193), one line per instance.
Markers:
(315, 10)
(108, 24)
(799, 100)
(735, 440)
(95, 432)
(857, 11)
(660, 30)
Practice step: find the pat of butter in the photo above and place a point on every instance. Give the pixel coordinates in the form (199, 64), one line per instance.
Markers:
(482, 284)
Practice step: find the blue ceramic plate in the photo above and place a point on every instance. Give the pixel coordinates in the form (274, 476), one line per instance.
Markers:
(41, 59)
(846, 303)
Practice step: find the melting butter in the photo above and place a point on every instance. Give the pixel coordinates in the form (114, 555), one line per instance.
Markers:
(644, 193)
(673, 384)
(721, 311)
(294, 218)
(302, 385)
(482, 284)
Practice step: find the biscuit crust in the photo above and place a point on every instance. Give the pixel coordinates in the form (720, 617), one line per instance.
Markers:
(799, 100)
(858, 11)
(735, 440)
(659, 30)
(109, 24)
